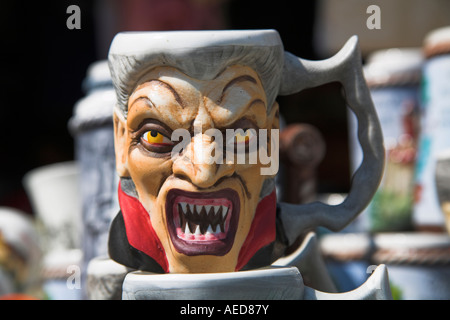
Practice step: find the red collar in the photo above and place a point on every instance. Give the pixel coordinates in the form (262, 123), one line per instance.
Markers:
(140, 232)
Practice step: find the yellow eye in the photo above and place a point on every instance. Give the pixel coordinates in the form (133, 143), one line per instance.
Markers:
(155, 137)
(243, 138)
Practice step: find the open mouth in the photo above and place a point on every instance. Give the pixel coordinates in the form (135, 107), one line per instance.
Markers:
(202, 222)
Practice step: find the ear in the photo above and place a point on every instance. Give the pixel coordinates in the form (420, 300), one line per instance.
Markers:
(120, 143)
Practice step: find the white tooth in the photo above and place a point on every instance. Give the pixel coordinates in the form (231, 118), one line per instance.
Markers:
(191, 207)
(183, 206)
(197, 230)
(216, 209)
(209, 230)
(224, 211)
(199, 208)
(186, 230)
(207, 208)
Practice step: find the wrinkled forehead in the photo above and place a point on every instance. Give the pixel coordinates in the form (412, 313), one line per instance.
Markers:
(202, 55)
(180, 83)
(174, 97)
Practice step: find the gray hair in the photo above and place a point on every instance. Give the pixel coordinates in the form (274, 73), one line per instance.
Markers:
(200, 54)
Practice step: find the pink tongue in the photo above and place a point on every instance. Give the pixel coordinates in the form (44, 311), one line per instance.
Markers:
(200, 237)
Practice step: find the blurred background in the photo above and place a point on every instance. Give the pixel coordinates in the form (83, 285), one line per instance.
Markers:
(45, 66)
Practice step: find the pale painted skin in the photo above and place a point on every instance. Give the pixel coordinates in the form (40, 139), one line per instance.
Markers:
(234, 99)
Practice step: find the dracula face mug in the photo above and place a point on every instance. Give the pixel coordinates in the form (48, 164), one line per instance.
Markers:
(196, 136)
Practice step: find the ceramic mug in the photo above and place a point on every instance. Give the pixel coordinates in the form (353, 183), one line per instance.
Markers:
(185, 91)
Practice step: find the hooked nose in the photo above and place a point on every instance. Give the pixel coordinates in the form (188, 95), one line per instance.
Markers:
(202, 163)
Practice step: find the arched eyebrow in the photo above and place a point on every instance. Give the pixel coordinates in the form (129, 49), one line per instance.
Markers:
(171, 89)
(147, 101)
(168, 87)
(237, 80)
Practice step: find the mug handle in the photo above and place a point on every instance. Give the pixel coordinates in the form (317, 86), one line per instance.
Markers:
(345, 67)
